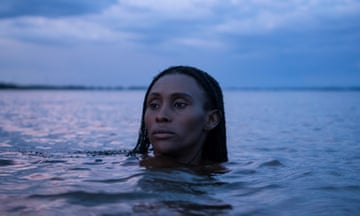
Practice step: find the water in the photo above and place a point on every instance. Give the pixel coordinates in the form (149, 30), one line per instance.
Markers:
(291, 153)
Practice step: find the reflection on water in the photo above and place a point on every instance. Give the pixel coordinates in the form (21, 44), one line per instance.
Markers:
(69, 120)
(111, 182)
(291, 153)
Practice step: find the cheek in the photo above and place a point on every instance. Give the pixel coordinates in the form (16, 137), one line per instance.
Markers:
(147, 120)
(193, 122)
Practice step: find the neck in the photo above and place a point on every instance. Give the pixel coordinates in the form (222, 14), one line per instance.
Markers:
(196, 158)
(191, 157)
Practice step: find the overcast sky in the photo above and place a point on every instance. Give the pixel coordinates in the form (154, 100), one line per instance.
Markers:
(241, 43)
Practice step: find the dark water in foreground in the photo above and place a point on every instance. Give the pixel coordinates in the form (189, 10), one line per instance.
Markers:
(291, 153)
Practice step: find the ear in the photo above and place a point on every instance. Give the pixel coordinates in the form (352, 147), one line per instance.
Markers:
(212, 119)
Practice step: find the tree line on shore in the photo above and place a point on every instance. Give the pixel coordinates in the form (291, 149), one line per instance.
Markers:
(4, 85)
(12, 86)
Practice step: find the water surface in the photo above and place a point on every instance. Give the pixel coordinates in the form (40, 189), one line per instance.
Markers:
(291, 153)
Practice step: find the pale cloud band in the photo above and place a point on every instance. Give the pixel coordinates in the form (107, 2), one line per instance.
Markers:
(190, 20)
(287, 37)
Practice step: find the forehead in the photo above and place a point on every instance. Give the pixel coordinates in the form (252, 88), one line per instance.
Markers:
(177, 83)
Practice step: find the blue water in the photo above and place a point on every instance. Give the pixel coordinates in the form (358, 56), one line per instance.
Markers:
(291, 153)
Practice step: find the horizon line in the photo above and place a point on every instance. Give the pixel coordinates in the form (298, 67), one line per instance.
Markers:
(13, 86)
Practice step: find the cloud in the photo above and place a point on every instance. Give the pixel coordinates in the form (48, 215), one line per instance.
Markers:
(163, 9)
(198, 42)
(160, 21)
(53, 8)
(57, 22)
(59, 31)
(223, 35)
(257, 17)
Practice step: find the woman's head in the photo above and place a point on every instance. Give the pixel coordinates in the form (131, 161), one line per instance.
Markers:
(183, 117)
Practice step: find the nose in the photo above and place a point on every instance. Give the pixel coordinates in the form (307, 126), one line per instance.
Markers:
(163, 115)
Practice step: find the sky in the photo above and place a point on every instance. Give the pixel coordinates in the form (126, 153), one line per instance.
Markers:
(242, 43)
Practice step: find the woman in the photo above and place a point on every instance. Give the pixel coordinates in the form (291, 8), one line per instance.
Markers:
(183, 119)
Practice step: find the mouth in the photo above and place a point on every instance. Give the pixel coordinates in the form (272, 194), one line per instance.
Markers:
(162, 134)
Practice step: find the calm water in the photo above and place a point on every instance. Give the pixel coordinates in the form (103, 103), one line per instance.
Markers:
(291, 153)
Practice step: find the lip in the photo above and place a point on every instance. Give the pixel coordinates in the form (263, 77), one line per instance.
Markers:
(162, 134)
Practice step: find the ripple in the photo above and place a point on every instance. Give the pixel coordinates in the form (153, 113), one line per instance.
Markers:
(193, 208)
(79, 169)
(4, 162)
(340, 188)
(37, 176)
(246, 171)
(272, 163)
(104, 153)
(92, 198)
(117, 180)
(54, 161)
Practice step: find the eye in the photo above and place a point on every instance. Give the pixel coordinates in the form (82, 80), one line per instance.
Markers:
(180, 105)
(153, 105)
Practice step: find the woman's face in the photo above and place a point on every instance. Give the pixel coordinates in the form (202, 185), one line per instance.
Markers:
(175, 117)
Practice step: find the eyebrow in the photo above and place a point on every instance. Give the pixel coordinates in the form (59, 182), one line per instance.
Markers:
(172, 95)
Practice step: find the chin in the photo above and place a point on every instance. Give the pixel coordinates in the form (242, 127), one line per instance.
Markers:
(164, 149)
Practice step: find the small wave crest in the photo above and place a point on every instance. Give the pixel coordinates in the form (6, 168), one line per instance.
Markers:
(271, 163)
(71, 154)
(4, 162)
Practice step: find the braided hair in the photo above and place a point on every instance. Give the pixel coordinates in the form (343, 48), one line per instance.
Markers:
(214, 149)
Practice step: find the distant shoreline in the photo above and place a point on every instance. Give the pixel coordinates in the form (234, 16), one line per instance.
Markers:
(12, 86)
